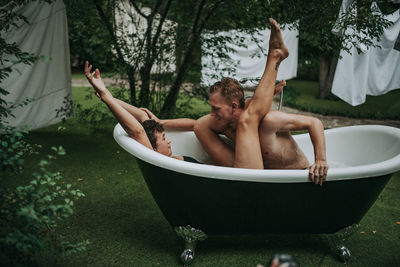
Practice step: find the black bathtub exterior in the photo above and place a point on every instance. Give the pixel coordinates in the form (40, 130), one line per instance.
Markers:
(236, 207)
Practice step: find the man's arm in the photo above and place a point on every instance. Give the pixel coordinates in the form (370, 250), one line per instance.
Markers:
(181, 124)
(280, 121)
(220, 153)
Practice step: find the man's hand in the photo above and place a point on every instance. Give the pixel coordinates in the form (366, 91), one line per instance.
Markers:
(150, 115)
(318, 171)
(96, 81)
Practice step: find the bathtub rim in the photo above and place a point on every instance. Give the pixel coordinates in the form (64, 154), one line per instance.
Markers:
(272, 176)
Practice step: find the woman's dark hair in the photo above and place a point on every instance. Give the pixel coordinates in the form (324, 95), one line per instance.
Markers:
(151, 127)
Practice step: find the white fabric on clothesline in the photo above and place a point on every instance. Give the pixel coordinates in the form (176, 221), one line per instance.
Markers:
(248, 66)
(376, 71)
(47, 81)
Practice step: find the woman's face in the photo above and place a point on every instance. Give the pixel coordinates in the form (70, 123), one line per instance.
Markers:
(163, 144)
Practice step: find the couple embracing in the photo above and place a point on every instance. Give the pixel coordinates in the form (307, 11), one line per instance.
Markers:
(262, 137)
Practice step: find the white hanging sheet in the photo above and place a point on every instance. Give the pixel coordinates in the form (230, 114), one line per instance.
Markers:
(242, 62)
(376, 71)
(47, 81)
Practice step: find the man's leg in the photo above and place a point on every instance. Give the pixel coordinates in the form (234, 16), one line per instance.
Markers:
(248, 150)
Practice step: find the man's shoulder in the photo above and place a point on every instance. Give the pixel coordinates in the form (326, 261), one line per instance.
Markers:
(274, 115)
(208, 121)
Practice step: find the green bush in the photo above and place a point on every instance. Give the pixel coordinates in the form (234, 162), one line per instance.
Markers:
(30, 213)
(13, 148)
(90, 111)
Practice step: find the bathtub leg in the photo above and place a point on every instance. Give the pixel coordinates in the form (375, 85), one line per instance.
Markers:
(338, 239)
(190, 235)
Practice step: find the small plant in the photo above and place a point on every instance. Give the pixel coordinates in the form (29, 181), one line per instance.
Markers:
(14, 148)
(30, 213)
(289, 95)
(67, 109)
(95, 115)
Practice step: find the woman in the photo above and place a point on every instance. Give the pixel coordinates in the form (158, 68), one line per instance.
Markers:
(140, 124)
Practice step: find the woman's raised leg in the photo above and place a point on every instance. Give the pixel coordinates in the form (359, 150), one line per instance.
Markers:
(248, 149)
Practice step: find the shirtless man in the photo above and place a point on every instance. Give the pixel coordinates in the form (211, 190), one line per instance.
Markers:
(262, 139)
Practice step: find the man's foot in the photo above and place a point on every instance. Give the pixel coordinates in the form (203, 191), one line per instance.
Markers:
(277, 48)
(279, 87)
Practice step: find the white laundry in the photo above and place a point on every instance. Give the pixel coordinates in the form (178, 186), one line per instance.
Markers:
(376, 71)
(48, 82)
(241, 61)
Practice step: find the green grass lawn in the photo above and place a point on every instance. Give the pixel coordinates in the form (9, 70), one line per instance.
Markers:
(386, 106)
(81, 75)
(192, 107)
(126, 228)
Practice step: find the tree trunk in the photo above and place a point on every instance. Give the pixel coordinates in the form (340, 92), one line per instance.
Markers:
(125, 66)
(181, 33)
(327, 68)
(170, 101)
(144, 97)
(194, 36)
(151, 51)
(323, 75)
(132, 85)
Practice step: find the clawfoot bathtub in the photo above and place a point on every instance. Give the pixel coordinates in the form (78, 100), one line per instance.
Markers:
(221, 200)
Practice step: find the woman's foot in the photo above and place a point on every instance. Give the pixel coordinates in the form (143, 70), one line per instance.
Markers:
(277, 48)
(279, 87)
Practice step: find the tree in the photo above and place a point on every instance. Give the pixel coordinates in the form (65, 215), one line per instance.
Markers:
(140, 43)
(212, 17)
(143, 52)
(147, 46)
(10, 54)
(202, 13)
(316, 21)
(88, 37)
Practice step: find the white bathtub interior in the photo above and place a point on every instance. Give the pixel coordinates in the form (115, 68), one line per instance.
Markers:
(349, 146)
(352, 152)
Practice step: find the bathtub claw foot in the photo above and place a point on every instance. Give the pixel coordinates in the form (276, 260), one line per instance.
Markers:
(337, 242)
(187, 257)
(190, 235)
(343, 253)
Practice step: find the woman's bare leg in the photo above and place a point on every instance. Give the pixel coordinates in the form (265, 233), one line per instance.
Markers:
(248, 149)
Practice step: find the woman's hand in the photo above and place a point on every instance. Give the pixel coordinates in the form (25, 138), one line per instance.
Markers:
(150, 115)
(95, 80)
